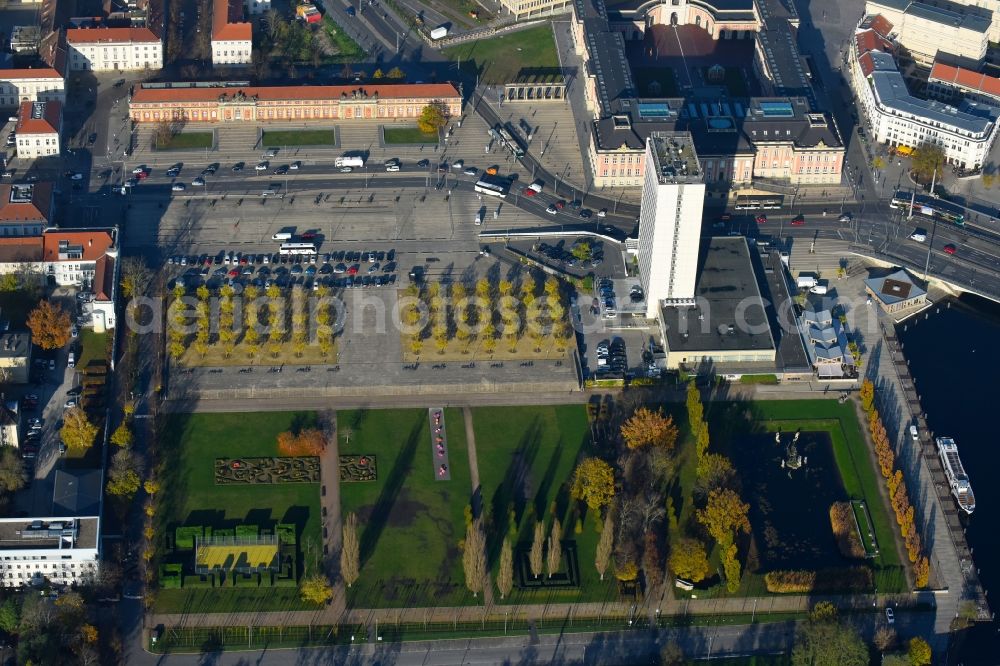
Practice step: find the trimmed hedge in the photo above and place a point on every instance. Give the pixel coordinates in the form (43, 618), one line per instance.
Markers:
(841, 580)
(184, 536)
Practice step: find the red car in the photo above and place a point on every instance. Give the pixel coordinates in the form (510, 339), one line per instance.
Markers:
(309, 235)
(142, 175)
(528, 192)
(234, 272)
(560, 204)
(353, 270)
(761, 219)
(798, 221)
(949, 249)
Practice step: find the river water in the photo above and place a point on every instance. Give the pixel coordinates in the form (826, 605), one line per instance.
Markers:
(954, 357)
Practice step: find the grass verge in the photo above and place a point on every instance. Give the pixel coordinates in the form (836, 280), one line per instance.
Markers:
(325, 137)
(407, 136)
(187, 141)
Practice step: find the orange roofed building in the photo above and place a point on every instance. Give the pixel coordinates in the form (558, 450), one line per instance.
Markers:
(403, 101)
(232, 37)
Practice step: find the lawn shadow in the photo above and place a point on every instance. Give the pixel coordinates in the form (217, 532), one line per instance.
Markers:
(514, 490)
(302, 421)
(547, 479)
(390, 491)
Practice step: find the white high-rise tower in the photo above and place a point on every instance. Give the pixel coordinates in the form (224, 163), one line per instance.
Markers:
(673, 196)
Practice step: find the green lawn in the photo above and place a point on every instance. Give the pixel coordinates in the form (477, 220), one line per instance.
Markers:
(187, 141)
(500, 59)
(526, 460)
(191, 443)
(655, 81)
(348, 50)
(93, 347)
(410, 524)
(407, 136)
(279, 138)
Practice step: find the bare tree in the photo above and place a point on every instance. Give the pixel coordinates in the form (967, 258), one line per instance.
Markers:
(505, 577)
(603, 556)
(555, 548)
(350, 551)
(474, 558)
(537, 550)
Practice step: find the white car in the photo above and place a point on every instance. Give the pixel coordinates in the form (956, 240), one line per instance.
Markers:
(602, 213)
(890, 617)
(471, 171)
(76, 176)
(139, 169)
(551, 210)
(294, 166)
(261, 166)
(346, 169)
(457, 164)
(918, 236)
(74, 331)
(914, 434)
(198, 182)
(392, 167)
(178, 187)
(70, 404)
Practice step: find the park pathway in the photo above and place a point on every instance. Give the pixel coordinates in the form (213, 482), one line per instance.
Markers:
(477, 490)
(329, 465)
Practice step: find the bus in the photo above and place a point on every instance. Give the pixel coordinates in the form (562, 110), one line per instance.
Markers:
(297, 248)
(494, 187)
(507, 140)
(928, 206)
(758, 202)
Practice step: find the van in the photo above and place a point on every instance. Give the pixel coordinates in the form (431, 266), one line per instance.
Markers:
(819, 289)
(479, 218)
(282, 236)
(72, 360)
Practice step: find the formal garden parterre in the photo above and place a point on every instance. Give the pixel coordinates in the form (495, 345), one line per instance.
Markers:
(262, 512)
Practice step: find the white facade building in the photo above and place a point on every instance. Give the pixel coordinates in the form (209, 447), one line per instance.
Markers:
(232, 37)
(31, 85)
(60, 550)
(113, 49)
(897, 118)
(38, 128)
(673, 196)
(927, 29)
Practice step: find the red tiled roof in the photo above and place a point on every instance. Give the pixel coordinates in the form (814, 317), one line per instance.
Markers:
(48, 123)
(282, 93)
(37, 209)
(227, 22)
(867, 66)
(869, 40)
(95, 243)
(40, 73)
(881, 25)
(16, 249)
(104, 278)
(966, 78)
(109, 35)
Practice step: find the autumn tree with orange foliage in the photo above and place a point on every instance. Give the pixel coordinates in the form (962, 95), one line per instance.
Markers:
(49, 326)
(648, 428)
(309, 442)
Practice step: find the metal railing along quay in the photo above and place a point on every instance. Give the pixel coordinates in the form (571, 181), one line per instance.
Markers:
(942, 489)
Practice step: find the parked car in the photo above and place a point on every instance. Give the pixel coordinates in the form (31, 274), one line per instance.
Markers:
(178, 187)
(261, 166)
(798, 221)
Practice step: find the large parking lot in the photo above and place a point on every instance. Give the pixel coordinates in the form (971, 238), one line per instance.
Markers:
(341, 269)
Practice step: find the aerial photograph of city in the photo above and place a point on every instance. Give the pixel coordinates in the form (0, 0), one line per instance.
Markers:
(443, 332)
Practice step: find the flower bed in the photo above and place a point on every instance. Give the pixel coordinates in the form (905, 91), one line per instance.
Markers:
(358, 468)
(266, 470)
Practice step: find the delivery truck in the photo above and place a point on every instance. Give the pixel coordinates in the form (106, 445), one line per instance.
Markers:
(806, 282)
(439, 32)
(350, 161)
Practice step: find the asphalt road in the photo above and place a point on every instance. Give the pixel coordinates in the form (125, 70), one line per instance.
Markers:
(606, 649)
